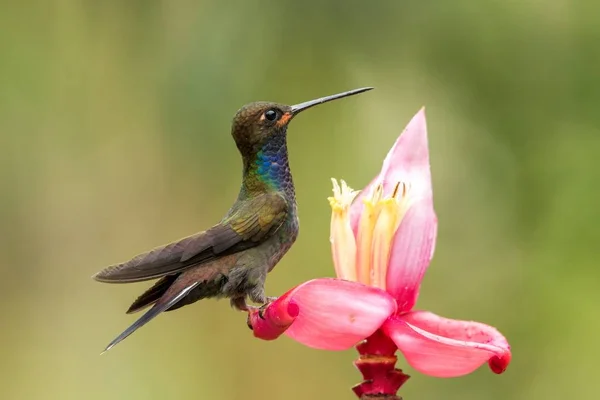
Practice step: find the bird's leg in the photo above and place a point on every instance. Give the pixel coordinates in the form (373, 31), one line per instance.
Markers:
(258, 296)
(239, 303)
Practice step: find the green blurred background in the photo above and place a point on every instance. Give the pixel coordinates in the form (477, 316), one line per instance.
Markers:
(115, 137)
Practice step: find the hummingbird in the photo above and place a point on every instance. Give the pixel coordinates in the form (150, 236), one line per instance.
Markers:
(232, 258)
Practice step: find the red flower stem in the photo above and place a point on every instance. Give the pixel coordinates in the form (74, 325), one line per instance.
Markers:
(376, 363)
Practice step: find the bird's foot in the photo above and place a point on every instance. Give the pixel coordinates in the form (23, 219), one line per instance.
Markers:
(239, 303)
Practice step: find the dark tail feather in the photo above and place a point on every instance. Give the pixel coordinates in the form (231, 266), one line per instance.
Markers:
(160, 306)
(152, 295)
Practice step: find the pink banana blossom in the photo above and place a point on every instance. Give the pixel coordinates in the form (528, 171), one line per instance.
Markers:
(382, 241)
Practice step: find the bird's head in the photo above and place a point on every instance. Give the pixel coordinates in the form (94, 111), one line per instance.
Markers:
(256, 123)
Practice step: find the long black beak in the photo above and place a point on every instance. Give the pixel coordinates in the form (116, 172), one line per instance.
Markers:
(308, 104)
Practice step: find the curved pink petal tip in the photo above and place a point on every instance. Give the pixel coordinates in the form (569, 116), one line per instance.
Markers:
(446, 348)
(407, 161)
(276, 318)
(335, 314)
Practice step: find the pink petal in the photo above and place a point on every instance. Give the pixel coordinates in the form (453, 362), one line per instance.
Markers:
(446, 348)
(412, 251)
(337, 314)
(407, 161)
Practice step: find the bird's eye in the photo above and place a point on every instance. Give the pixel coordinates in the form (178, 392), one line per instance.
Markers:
(271, 115)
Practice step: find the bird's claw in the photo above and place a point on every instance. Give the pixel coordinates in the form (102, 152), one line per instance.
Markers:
(249, 323)
(259, 310)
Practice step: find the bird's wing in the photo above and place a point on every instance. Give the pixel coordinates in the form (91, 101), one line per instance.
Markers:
(249, 223)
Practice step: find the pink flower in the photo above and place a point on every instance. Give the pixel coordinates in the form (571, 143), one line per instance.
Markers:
(382, 242)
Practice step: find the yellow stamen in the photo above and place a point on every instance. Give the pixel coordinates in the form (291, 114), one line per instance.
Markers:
(343, 244)
(364, 238)
(392, 211)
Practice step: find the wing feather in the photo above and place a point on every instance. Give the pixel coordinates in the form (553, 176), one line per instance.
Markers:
(249, 223)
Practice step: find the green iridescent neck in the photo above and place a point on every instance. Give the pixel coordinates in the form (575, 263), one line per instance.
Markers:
(268, 169)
